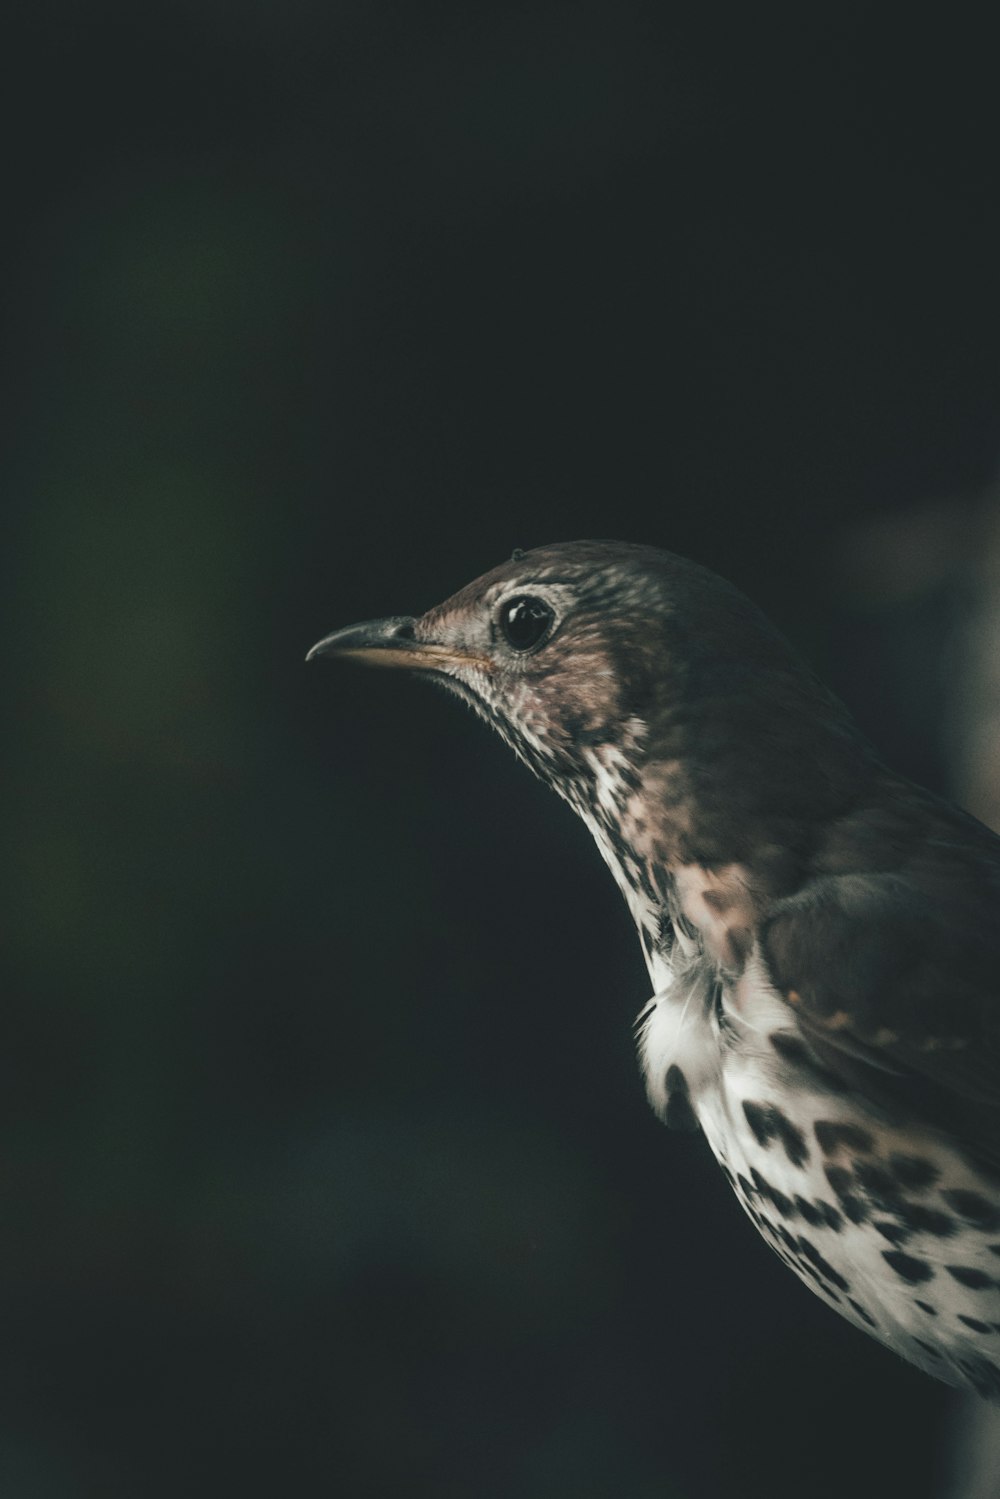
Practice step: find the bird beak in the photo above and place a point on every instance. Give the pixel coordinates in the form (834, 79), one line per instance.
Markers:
(390, 642)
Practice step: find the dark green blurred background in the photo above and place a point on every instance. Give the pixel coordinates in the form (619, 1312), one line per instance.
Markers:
(326, 1167)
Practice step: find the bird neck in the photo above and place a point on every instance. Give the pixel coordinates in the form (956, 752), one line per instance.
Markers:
(712, 810)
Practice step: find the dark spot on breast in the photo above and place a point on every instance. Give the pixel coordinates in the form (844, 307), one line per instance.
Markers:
(829, 1215)
(994, 1249)
(896, 1233)
(804, 1268)
(789, 1046)
(906, 1267)
(862, 1313)
(973, 1207)
(811, 1214)
(767, 1123)
(925, 1220)
(823, 1266)
(879, 1187)
(842, 1182)
(784, 1204)
(831, 1134)
(757, 1116)
(928, 1348)
(913, 1172)
(974, 1323)
(925, 1306)
(792, 1138)
(678, 1113)
(746, 1187)
(967, 1275)
(840, 1179)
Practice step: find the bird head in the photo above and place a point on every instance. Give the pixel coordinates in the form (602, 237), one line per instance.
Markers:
(608, 666)
(562, 649)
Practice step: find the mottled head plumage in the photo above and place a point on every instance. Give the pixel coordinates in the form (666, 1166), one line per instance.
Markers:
(587, 674)
(639, 654)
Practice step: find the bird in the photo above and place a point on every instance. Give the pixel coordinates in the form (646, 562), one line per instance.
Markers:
(822, 935)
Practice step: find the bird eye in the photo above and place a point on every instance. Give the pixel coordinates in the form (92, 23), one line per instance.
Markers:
(525, 622)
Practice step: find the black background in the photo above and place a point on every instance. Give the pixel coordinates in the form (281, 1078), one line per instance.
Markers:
(325, 1162)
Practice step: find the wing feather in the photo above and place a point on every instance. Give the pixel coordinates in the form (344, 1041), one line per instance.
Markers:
(889, 954)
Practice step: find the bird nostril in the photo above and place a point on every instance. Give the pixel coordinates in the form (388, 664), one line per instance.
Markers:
(404, 630)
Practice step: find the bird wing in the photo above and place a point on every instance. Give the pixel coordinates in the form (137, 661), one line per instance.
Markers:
(889, 956)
